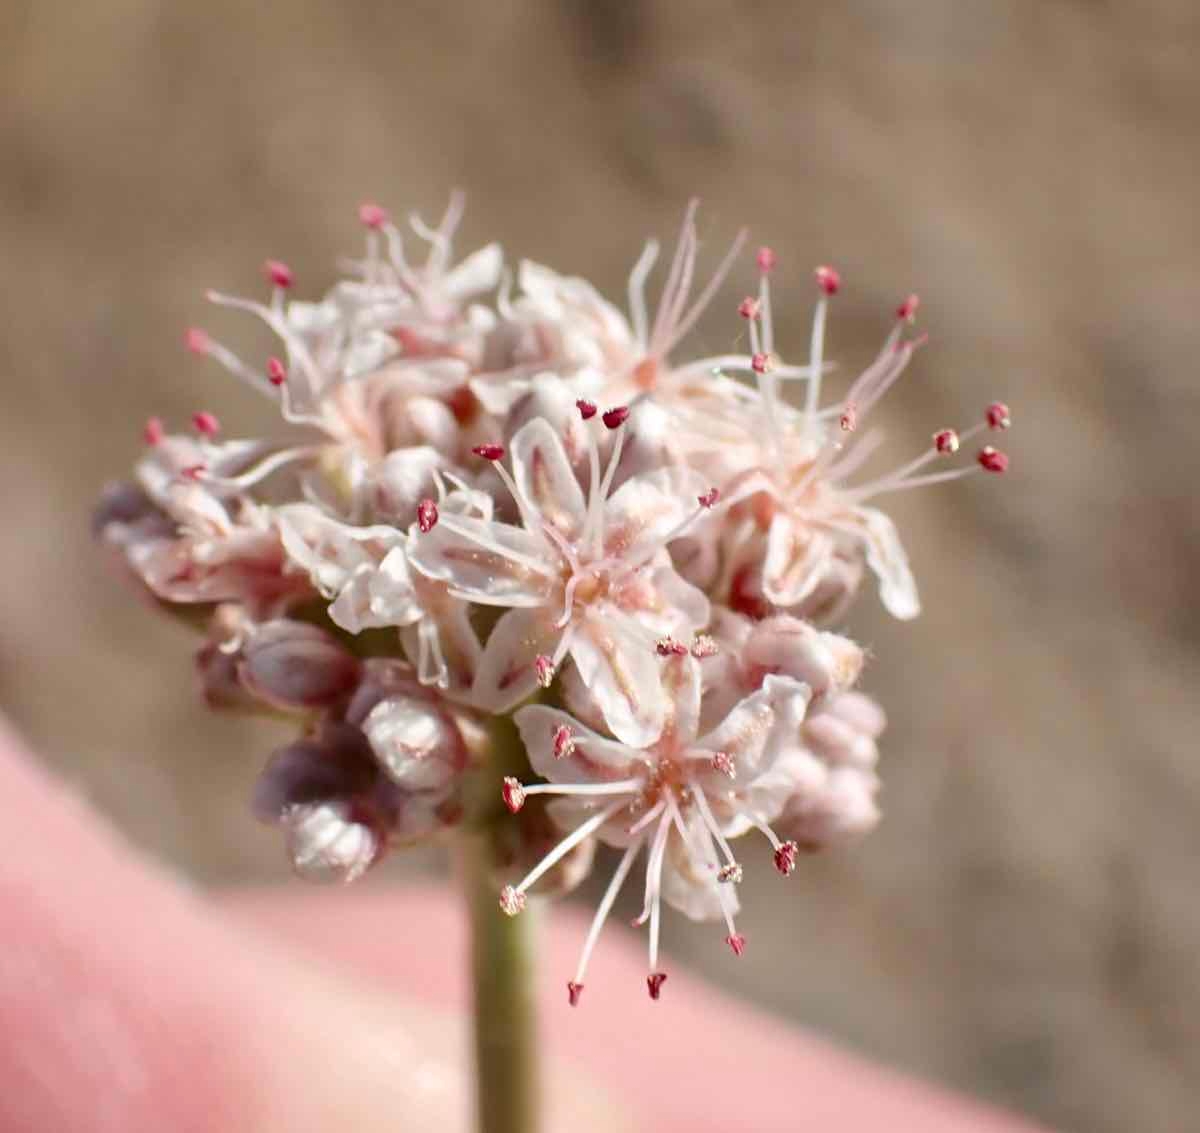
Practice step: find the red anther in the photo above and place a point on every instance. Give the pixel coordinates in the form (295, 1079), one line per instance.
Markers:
(153, 431)
(513, 794)
(849, 418)
(785, 857)
(206, 423)
(946, 441)
(669, 647)
(704, 646)
(907, 311)
(194, 471)
(574, 990)
(427, 516)
(512, 900)
(765, 259)
(587, 409)
(564, 742)
(372, 215)
(737, 942)
(197, 340)
(760, 363)
(730, 874)
(998, 415)
(724, 763)
(828, 279)
(276, 372)
(543, 667)
(489, 452)
(654, 982)
(279, 273)
(749, 308)
(992, 459)
(616, 417)
(709, 499)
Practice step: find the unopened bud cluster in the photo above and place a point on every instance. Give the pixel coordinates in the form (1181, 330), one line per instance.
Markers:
(498, 494)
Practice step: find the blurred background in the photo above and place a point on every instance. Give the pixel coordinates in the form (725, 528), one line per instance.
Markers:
(1026, 922)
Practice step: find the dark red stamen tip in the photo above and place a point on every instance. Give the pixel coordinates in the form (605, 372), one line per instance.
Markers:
(206, 423)
(427, 516)
(564, 742)
(489, 452)
(279, 273)
(574, 990)
(587, 409)
(749, 308)
(194, 471)
(669, 647)
(543, 668)
(737, 942)
(512, 793)
(849, 418)
(276, 372)
(616, 417)
(828, 280)
(153, 431)
(760, 363)
(197, 340)
(998, 415)
(907, 311)
(946, 441)
(654, 982)
(372, 215)
(992, 459)
(765, 259)
(709, 499)
(785, 858)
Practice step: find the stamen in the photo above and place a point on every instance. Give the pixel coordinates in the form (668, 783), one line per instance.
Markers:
(427, 516)
(946, 442)
(710, 822)
(543, 667)
(637, 292)
(512, 901)
(765, 259)
(724, 764)
(828, 280)
(704, 646)
(587, 409)
(197, 341)
(998, 416)
(279, 274)
(512, 793)
(276, 372)
(564, 847)
(564, 742)
(206, 423)
(907, 311)
(737, 942)
(602, 912)
(194, 471)
(849, 418)
(489, 452)
(153, 431)
(613, 787)
(749, 308)
(616, 417)
(730, 873)
(669, 647)
(992, 460)
(654, 982)
(785, 857)
(761, 363)
(372, 215)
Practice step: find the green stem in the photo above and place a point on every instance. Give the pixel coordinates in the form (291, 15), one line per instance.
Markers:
(502, 962)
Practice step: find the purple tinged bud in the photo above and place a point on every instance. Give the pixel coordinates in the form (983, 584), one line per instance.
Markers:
(293, 665)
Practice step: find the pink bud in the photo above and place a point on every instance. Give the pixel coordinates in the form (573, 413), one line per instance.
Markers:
(654, 982)
(489, 452)
(372, 215)
(828, 279)
(153, 431)
(279, 273)
(907, 311)
(513, 794)
(573, 992)
(616, 417)
(587, 409)
(946, 441)
(293, 665)
(206, 423)
(276, 372)
(427, 516)
(992, 460)
(998, 415)
(197, 340)
(765, 260)
(749, 308)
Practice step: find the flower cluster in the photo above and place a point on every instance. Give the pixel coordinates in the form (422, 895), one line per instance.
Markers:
(504, 497)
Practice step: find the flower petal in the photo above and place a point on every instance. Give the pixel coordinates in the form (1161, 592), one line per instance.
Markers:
(759, 727)
(797, 558)
(589, 758)
(886, 557)
(646, 510)
(543, 473)
(506, 670)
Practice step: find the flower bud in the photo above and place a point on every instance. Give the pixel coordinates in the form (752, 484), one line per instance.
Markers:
(293, 665)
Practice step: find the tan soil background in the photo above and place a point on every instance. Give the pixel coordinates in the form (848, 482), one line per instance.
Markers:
(1026, 923)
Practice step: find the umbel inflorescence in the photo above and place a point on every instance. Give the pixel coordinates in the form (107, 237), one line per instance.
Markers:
(503, 502)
